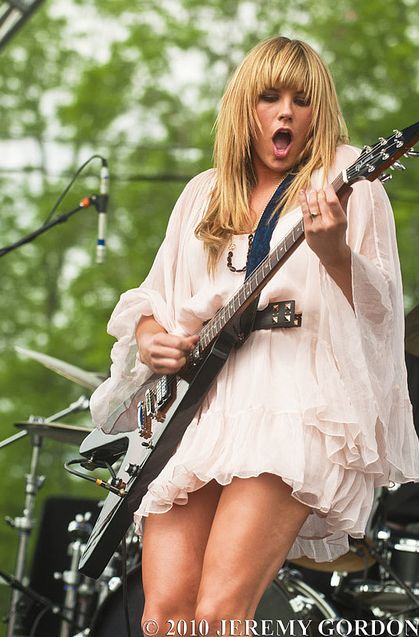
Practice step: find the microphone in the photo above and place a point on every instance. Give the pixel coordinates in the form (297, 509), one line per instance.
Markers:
(101, 205)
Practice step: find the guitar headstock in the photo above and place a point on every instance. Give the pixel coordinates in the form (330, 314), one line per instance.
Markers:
(374, 160)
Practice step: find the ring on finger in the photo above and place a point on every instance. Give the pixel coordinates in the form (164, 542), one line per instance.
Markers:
(314, 214)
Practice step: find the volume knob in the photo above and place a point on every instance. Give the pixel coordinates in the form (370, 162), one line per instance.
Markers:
(132, 469)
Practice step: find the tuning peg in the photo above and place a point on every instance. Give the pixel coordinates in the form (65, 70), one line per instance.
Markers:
(412, 153)
(398, 165)
(385, 177)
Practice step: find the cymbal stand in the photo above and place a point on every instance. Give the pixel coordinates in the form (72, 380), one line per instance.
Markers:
(26, 523)
(79, 592)
(24, 526)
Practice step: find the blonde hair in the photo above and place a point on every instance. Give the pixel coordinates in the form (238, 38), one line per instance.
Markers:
(272, 63)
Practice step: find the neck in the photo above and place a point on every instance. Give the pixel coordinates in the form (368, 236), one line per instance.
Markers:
(265, 176)
(266, 179)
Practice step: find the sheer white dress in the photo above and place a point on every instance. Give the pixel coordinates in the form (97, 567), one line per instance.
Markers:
(324, 406)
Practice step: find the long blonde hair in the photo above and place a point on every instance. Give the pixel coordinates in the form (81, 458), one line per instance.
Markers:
(272, 63)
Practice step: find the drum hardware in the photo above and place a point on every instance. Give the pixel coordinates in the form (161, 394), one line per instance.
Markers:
(44, 602)
(37, 428)
(386, 597)
(305, 597)
(80, 592)
(384, 562)
(404, 559)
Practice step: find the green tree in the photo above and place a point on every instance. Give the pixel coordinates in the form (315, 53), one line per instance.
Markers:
(140, 84)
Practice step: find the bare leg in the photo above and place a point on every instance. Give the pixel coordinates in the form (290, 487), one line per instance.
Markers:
(173, 551)
(254, 527)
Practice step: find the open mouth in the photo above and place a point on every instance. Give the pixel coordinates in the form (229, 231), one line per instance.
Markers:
(282, 140)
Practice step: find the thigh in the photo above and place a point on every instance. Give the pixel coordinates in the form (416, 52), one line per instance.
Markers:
(173, 549)
(255, 524)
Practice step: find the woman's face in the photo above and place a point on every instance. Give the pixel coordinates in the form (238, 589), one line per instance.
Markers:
(285, 117)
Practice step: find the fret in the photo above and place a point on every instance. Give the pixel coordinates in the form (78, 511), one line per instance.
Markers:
(337, 183)
(203, 342)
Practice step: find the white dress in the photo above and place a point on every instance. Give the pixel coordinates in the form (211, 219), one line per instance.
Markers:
(324, 406)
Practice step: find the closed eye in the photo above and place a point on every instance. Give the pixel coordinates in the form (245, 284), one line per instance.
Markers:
(301, 100)
(269, 96)
(273, 96)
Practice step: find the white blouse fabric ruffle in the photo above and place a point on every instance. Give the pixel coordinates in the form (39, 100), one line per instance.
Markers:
(324, 406)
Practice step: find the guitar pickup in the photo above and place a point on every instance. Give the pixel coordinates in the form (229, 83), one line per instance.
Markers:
(163, 392)
(149, 403)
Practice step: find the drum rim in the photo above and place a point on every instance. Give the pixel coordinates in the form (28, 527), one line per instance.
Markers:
(302, 587)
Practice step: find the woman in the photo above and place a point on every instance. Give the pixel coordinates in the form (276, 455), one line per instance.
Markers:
(301, 424)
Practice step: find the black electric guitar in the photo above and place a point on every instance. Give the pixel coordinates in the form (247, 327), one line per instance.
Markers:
(164, 406)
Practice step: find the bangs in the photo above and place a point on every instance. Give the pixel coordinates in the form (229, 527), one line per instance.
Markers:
(290, 67)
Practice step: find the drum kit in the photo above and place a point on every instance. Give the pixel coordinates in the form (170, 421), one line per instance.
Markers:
(376, 582)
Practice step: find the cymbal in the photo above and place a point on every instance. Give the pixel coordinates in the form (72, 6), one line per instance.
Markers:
(412, 332)
(70, 434)
(356, 559)
(71, 372)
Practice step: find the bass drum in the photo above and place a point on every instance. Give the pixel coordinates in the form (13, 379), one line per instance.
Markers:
(288, 599)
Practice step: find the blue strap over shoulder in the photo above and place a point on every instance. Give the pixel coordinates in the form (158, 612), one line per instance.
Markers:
(266, 226)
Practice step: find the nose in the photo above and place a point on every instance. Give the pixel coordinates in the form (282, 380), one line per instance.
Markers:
(285, 104)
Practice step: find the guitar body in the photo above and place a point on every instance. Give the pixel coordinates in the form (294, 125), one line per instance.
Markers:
(143, 459)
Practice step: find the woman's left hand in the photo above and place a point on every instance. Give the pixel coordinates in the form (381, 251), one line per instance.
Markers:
(325, 224)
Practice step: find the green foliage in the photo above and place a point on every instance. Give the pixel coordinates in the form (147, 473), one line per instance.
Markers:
(140, 83)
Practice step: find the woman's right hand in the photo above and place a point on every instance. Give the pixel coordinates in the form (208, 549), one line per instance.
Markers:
(163, 353)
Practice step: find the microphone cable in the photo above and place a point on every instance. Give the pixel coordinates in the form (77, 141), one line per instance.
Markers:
(73, 179)
(86, 202)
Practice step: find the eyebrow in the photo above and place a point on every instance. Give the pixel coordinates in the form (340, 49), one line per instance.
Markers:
(276, 89)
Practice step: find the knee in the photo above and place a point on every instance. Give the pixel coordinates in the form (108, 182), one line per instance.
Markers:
(220, 616)
(162, 616)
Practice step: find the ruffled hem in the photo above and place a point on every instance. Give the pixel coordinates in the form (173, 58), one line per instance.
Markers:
(309, 543)
(300, 453)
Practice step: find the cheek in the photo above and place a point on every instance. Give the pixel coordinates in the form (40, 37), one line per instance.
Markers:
(308, 120)
(264, 115)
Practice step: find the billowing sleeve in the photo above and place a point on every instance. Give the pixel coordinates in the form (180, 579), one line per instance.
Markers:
(161, 295)
(367, 342)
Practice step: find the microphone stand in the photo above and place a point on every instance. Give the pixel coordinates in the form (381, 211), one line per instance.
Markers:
(86, 202)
